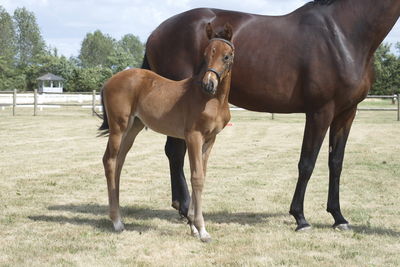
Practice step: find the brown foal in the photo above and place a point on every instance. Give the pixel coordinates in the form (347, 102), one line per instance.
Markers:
(195, 109)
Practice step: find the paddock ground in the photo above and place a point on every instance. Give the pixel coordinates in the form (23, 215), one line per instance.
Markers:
(53, 197)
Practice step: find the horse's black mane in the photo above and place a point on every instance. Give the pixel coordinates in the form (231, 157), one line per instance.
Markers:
(323, 2)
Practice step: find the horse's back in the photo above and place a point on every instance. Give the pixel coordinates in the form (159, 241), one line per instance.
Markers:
(283, 63)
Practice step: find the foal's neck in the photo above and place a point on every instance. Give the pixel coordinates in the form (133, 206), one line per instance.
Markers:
(223, 89)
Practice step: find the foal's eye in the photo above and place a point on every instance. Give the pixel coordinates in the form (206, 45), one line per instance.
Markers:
(226, 58)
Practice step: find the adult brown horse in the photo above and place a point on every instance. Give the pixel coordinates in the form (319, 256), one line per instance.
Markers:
(316, 60)
(195, 110)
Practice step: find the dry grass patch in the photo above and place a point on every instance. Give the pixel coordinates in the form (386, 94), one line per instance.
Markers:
(53, 197)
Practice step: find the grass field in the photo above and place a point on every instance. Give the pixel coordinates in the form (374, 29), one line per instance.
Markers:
(53, 197)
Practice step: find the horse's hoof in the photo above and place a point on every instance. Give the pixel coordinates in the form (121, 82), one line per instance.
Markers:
(118, 226)
(175, 204)
(303, 227)
(342, 227)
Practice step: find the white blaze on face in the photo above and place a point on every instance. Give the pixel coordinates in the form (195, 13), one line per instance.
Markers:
(209, 77)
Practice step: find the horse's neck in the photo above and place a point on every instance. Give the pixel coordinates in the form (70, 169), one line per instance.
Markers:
(367, 22)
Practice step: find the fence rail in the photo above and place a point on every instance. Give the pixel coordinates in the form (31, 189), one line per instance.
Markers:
(14, 99)
(92, 99)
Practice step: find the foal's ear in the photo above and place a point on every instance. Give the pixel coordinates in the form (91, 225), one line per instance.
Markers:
(209, 31)
(228, 31)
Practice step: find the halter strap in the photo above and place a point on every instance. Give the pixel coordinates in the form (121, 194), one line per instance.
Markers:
(216, 73)
(219, 74)
(225, 41)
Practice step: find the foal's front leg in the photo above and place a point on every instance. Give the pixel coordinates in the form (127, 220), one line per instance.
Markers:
(207, 146)
(194, 142)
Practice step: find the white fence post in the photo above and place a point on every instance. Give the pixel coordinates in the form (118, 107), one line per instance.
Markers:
(94, 103)
(14, 101)
(398, 106)
(35, 101)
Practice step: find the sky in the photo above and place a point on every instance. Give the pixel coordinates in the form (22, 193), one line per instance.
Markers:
(65, 23)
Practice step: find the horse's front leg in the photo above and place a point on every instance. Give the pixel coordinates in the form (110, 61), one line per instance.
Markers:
(194, 142)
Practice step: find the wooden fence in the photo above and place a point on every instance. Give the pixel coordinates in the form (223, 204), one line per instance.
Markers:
(51, 100)
(94, 100)
(395, 98)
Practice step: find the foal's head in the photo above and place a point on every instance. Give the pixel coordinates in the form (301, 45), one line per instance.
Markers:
(218, 57)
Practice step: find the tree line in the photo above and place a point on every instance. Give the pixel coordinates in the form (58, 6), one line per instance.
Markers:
(24, 56)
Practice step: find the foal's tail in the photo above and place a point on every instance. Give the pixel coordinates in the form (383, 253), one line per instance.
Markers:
(103, 129)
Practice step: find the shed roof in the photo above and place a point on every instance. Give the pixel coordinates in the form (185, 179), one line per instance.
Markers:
(50, 77)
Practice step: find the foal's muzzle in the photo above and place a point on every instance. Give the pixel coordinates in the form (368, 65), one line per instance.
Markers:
(209, 87)
(209, 84)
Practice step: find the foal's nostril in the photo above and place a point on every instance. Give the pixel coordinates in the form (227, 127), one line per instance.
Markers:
(210, 87)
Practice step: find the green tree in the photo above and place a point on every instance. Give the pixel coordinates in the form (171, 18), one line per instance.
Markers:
(29, 41)
(132, 45)
(7, 50)
(96, 49)
(387, 71)
(88, 79)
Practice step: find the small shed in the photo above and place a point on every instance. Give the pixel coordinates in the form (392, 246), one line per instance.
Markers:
(50, 83)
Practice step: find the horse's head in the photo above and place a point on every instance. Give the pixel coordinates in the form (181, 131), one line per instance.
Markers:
(218, 57)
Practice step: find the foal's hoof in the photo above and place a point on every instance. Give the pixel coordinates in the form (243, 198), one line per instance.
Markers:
(118, 226)
(205, 236)
(303, 227)
(206, 239)
(193, 231)
(342, 227)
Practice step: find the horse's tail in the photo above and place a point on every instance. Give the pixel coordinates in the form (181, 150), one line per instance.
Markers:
(103, 129)
(145, 63)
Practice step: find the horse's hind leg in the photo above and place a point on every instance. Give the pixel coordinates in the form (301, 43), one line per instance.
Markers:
(120, 141)
(338, 135)
(316, 126)
(175, 149)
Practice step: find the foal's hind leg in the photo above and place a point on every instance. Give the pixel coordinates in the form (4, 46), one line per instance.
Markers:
(119, 143)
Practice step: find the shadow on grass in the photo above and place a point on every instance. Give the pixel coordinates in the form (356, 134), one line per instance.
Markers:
(144, 213)
(147, 213)
(365, 230)
(104, 225)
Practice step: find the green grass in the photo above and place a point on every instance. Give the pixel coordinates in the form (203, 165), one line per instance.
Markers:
(53, 196)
